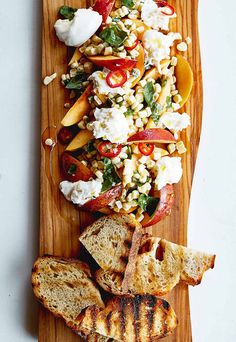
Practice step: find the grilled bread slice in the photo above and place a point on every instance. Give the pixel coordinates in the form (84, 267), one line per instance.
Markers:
(160, 266)
(98, 338)
(130, 319)
(114, 241)
(64, 287)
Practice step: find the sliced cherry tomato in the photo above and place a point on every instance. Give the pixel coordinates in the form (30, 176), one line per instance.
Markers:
(129, 48)
(116, 78)
(145, 148)
(169, 9)
(108, 149)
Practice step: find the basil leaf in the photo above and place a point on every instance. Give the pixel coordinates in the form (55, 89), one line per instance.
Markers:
(72, 169)
(128, 3)
(76, 82)
(129, 152)
(90, 146)
(148, 204)
(168, 102)
(148, 93)
(129, 112)
(156, 108)
(67, 12)
(113, 35)
(110, 177)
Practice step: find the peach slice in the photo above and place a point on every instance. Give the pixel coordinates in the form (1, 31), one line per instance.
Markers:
(154, 73)
(153, 135)
(184, 78)
(104, 199)
(163, 207)
(104, 8)
(113, 62)
(81, 139)
(140, 65)
(73, 170)
(76, 56)
(79, 109)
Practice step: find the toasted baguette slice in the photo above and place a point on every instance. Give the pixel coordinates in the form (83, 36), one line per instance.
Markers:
(131, 319)
(113, 241)
(98, 338)
(160, 266)
(64, 287)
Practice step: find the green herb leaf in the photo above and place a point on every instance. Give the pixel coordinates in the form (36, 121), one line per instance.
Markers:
(107, 104)
(129, 112)
(148, 93)
(67, 12)
(156, 108)
(129, 152)
(113, 35)
(72, 169)
(75, 82)
(90, 146)
(110, 177)
(128, 3)
(148, 204)
(169, 102)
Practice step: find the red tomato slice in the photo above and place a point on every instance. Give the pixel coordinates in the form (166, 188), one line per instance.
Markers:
(169, 10)
(129, 48)
(116, 78)
(145, 148)
(109, 150)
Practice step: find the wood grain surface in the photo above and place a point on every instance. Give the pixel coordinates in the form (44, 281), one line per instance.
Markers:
(60, 223)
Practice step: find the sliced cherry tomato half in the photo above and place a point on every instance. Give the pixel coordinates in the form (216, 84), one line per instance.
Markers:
(169, 9)
(108, 149)
(116, 78)
(145, 148)
(129, 48)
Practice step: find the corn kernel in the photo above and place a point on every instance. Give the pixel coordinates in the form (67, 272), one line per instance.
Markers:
(180, 147)
(171, 148)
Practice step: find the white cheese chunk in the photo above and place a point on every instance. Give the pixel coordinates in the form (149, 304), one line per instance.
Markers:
(175, 121)
(169, 171)
(153, 16)
(77, 31)
(157, 46)
(111, 124)
(81, 192)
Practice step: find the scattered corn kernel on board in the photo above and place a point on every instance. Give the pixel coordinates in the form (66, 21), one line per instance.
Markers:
(60, 223)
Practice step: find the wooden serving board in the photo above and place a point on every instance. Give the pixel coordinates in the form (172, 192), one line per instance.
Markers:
(60, 223)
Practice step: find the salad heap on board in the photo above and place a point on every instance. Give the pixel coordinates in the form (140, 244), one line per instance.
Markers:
(128, 80)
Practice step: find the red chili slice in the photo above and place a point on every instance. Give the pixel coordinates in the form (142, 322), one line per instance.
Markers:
(162, 3)
(109, 150)
(116, 78)
(145, 148)
(129, 48)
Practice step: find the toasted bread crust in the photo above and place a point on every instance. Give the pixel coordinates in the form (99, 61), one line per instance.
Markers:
(126, 319)
(122, 257)
(160, 266)
(56, 275)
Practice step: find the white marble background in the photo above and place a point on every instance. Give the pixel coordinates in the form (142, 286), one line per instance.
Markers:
(212, 222)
